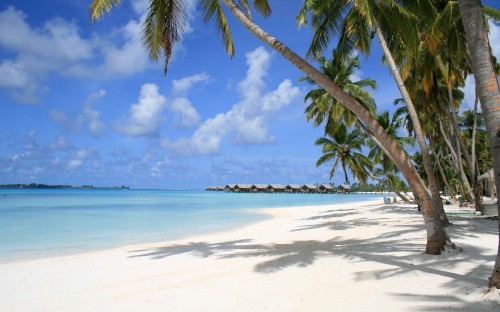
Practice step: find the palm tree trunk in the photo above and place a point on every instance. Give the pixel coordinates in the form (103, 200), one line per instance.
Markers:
(461, 148)
(437, 238)
(417, 128)
(441, 171)
(477, 193)
(488, 89)
(457, 159)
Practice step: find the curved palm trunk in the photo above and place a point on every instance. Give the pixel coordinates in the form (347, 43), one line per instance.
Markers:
(477, 193)
(461, 148)
(436, 234)
(488, 89)
(345, 173)
(417, 128)
(441, 171)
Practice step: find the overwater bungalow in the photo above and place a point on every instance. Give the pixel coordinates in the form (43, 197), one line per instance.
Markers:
(229, 187)
(243, 188)
(260, 188)
(326, 188)
(277, 188)
(309, 188)
(293, 188)
(344, 188)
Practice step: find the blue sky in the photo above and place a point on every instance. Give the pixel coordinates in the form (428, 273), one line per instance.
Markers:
(83, 104)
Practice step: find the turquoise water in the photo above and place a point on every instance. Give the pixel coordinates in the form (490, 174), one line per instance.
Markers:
(41, 223)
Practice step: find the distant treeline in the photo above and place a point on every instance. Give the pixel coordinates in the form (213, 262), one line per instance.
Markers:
(46, 186)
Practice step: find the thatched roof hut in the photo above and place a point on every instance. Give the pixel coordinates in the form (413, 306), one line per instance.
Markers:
(260, 188)
(326, 188)
(344, 188)
(309, 188)
(293, 188)
(243, 188)
(277, 188)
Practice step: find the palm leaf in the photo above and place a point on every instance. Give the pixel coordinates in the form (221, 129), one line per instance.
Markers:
(492, 13)
(211, 8)
(97, 8)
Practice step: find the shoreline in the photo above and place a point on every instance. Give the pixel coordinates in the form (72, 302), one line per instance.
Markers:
(104, 246)
(316, 258)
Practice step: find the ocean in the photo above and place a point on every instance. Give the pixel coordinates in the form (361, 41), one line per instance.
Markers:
(40, 223)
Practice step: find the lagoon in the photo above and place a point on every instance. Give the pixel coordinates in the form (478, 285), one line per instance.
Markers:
(40, 223)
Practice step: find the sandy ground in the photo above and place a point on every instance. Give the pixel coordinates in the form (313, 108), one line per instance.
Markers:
(349, 257)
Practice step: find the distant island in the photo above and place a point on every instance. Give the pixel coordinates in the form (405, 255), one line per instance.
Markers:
(46, 186)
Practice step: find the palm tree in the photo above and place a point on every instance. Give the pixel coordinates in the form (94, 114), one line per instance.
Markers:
(392, 127)
(488, 91)
(161, 38)
(324, 107)
(356, 21)
(344, 146)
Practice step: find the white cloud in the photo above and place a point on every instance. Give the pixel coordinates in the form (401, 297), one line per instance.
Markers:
(58, 48)
(92, 116)
(186, 115)
(146, 116)
(89, 116)
(247, 120)
(156, 170)
(54, 47)
(79, 157)
(181, 86)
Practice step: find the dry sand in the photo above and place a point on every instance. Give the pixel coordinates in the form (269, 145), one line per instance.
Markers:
(349, 257)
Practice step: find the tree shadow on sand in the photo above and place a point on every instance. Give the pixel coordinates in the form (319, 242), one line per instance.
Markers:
(394, 249)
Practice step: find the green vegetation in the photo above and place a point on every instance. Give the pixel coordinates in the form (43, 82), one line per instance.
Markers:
(430, 46)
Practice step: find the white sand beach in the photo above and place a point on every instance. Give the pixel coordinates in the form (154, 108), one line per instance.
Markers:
(349, 257)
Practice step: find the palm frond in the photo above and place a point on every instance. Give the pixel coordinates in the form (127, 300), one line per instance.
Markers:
(211, 8)
(97, 8)
(163, 27)
(492, 13)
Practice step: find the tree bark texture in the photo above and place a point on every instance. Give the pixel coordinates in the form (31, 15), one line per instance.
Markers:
(417, 128)
(488, 91)
(437, 238)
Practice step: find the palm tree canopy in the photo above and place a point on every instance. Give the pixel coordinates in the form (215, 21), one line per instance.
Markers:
(323, 106)
(344, 147)
(166, 19)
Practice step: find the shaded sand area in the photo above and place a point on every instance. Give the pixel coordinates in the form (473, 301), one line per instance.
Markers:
(349, 257)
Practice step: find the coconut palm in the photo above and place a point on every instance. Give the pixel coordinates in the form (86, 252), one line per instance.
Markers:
(324, 107)
(488, 90)
(356, 22)
(344, 147)
(165, 29)
(392, 126)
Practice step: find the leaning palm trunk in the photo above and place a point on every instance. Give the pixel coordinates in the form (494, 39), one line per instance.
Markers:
(488, 89)
(441, 171)
(431, 175)
(461, 148)
(477, 193)
(436, 234)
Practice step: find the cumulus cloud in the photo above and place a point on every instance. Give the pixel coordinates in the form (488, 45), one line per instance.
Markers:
(79, 157)
(145, 116)
(92, 116)
(185, 114)
(247, 119)
(89, 116)
(181, 86)
(58, 48)
(54, 47)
